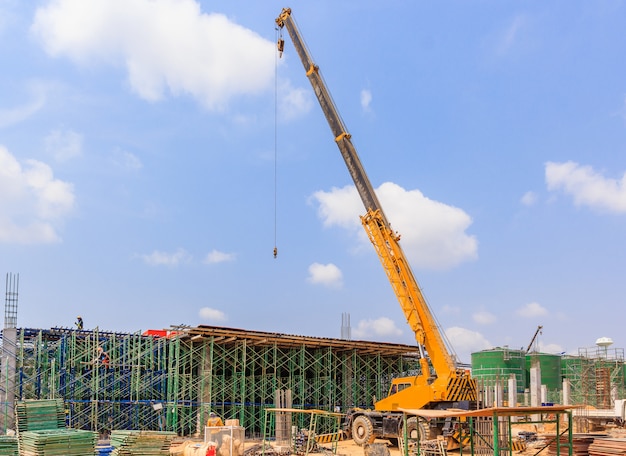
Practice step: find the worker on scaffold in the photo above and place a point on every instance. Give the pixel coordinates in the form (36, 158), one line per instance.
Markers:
(102, 358)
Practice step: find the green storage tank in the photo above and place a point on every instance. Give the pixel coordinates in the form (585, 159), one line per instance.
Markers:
(550, 366)
(498, 364)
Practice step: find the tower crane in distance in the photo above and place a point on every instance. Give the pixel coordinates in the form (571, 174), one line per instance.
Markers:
(440, 383)
(532, 341)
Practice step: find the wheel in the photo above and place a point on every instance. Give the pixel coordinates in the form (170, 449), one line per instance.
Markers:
(414, 431)
(362, 430)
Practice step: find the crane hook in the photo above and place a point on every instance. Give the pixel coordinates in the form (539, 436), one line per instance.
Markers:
(281, 46)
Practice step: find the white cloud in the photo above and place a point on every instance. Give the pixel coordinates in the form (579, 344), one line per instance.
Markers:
(529, 199)
(433, 233)
(587, 187)
(33, 202)
(550, 348)
(293, 102)
(17, 114)
(381, 329)
(325, 274)
(158, 258)
(531, 310)
(484, 318)
(126, 160)
(166, 46)
(64, 145)
(209, 314)
(366, 99)
(466, 342)
(215, 256)
(451, 310)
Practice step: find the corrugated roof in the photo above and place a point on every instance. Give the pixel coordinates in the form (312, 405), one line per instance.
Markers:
(232, 335)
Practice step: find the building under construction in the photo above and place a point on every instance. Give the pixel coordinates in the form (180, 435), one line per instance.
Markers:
(171, 380)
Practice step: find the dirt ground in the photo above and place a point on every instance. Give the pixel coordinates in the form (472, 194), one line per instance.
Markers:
(344, 448)
(349, 448)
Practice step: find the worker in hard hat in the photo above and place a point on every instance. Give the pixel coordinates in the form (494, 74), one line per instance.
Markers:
(214, 420)
(102, 357)
(79, 322)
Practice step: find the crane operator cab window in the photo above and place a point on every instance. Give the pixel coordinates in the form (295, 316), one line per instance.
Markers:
(397, 387)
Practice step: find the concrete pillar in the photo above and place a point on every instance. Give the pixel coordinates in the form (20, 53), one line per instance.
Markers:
(535, 385)
(567, 392)
(489, 402)
(512, 386)
(498, 393)
(544, 394)
(7, 378)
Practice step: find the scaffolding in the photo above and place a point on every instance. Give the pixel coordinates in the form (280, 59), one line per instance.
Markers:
(9, 349)
(171, 380)
(596, 376)
(491, 430)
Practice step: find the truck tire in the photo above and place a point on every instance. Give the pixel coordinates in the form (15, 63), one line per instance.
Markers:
(363, 430)
(414, 430)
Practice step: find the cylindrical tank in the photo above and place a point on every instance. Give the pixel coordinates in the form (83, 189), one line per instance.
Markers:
(550, 366)
(488, 366)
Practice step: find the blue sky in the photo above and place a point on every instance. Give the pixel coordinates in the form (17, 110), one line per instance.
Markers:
(153, 153)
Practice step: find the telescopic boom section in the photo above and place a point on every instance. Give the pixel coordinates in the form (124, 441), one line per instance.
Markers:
(385, 241)
(339, 130)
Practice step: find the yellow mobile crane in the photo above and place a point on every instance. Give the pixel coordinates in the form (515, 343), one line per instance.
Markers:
(443, 386)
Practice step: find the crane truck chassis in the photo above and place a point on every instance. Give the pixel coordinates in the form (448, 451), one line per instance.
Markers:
(440, 384)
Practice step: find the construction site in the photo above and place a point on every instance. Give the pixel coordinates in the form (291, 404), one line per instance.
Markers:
(172, 380)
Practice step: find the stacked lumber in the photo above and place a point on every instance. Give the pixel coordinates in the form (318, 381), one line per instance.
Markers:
(36, 415)
(580, 444)
(8, 445)
(141, 443)
(608, 447)
(58, 442)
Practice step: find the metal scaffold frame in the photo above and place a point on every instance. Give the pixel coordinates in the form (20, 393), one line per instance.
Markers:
(245, 373)
(172, 381)
(596, 376)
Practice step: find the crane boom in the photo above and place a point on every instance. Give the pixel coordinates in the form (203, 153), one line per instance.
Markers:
(450, 383)
(337, 126)
(532, 341)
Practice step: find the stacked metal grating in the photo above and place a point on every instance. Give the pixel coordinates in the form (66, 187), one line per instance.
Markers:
(8, 445)
(141, 443)
(58, 442)
(41, 431)
(36, 415)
